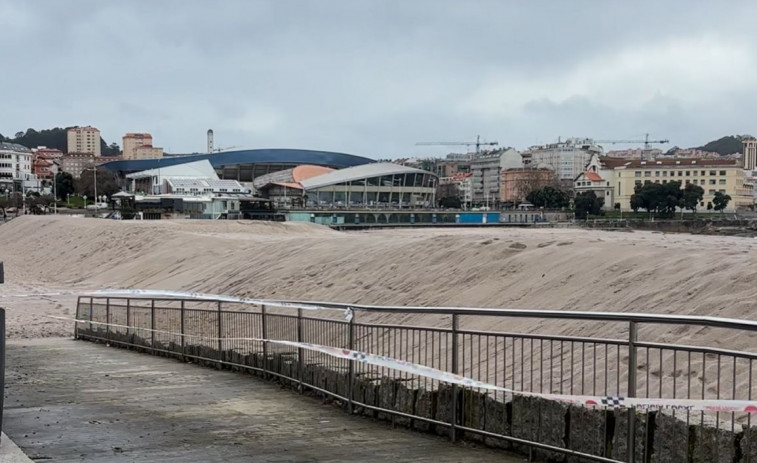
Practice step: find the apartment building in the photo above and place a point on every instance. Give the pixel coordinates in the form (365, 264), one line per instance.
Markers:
(486, 170)
(75, 163)
(616, 178)
(567, 158)
(16, 172)
(139, 146)
(517, 182)
(83, 140)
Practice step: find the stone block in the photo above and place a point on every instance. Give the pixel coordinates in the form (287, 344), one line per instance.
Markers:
(713, 445)
(496, 421)
(386, 396)
(587, 431)
(371, 395)
(748, 443)
(425, 404)
(620, 434)
(444, 407)
(540, 420)
(671, 439)
(404, 402)
(473, 413)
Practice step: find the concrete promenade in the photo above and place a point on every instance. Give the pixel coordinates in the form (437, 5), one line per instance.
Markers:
(72, 401)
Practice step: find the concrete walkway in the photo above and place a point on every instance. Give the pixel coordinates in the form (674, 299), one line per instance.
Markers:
(77, 401)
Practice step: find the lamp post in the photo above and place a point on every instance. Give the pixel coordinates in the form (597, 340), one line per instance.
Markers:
(55, 188)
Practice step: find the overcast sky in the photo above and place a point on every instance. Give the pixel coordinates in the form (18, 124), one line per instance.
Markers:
(375, 77)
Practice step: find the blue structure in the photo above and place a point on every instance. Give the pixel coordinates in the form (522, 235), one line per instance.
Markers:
(245, 165)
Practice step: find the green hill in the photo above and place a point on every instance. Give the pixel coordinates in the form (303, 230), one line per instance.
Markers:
(54, 138)
(727, 145)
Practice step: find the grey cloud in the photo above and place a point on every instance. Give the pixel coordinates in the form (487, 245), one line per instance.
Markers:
(366, 77)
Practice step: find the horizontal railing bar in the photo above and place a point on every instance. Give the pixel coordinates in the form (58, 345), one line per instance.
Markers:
(717, 322)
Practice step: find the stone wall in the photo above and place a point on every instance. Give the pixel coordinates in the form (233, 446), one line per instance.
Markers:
(659, 437)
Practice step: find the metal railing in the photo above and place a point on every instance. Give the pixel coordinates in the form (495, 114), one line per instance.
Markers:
(614, 361)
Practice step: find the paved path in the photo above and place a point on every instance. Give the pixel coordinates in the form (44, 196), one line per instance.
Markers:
(77, 401)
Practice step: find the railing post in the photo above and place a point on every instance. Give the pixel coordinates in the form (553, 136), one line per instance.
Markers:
(128, 321)
(632, 363)
(300, 352)
(2, 364)
(91, 312)
(220, 336)
(351, 346)
(455, 368)
(152, 323)
(78, 315)
(264, 335)
(107, 319)
(183, 344)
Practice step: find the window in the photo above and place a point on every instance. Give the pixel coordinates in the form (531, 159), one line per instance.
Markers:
(721, 191)
(702, 173)
(647, 181)
(721, 181)
(680, 173)
(688, 174)
(647, 174)
(664, 173)
(712, 172)
(657, 173)
(722, 172)
(695, 173)
(712, 181)
(637, 182)
(637, 174)
(688, 181)
(711, 192)
(664, 182)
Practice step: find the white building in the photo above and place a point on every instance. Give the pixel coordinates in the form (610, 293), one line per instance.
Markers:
(16, 172)
(191, 190)
(568, 158)
(485, 181)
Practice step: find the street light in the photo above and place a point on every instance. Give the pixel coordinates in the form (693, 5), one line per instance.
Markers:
(55, 187)
(94, 169)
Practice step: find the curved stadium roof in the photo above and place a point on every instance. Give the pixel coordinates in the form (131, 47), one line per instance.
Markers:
(232, 158)
(376, 169)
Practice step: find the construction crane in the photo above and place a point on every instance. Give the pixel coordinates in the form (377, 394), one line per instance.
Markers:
(646, 141)
(478, 143)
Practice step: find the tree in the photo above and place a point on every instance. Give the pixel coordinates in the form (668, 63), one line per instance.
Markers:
(448, 195)
(692, 195)
(720, 201)
(587, 203)
(453, 202)
(5, 203)
(106, 183)
(657, 198)
(549, 197)
(64, 184)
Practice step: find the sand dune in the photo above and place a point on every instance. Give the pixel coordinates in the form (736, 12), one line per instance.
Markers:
(552, 269)
(561, 269)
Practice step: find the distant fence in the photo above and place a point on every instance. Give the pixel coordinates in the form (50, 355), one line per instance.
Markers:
(459, 341)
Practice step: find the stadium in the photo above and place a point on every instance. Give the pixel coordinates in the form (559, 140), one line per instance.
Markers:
(245, 165)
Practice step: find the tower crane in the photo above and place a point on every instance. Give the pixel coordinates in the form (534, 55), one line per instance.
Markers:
(478, 143)
(646, 141)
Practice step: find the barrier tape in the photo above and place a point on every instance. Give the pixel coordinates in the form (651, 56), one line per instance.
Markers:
(606, 402)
